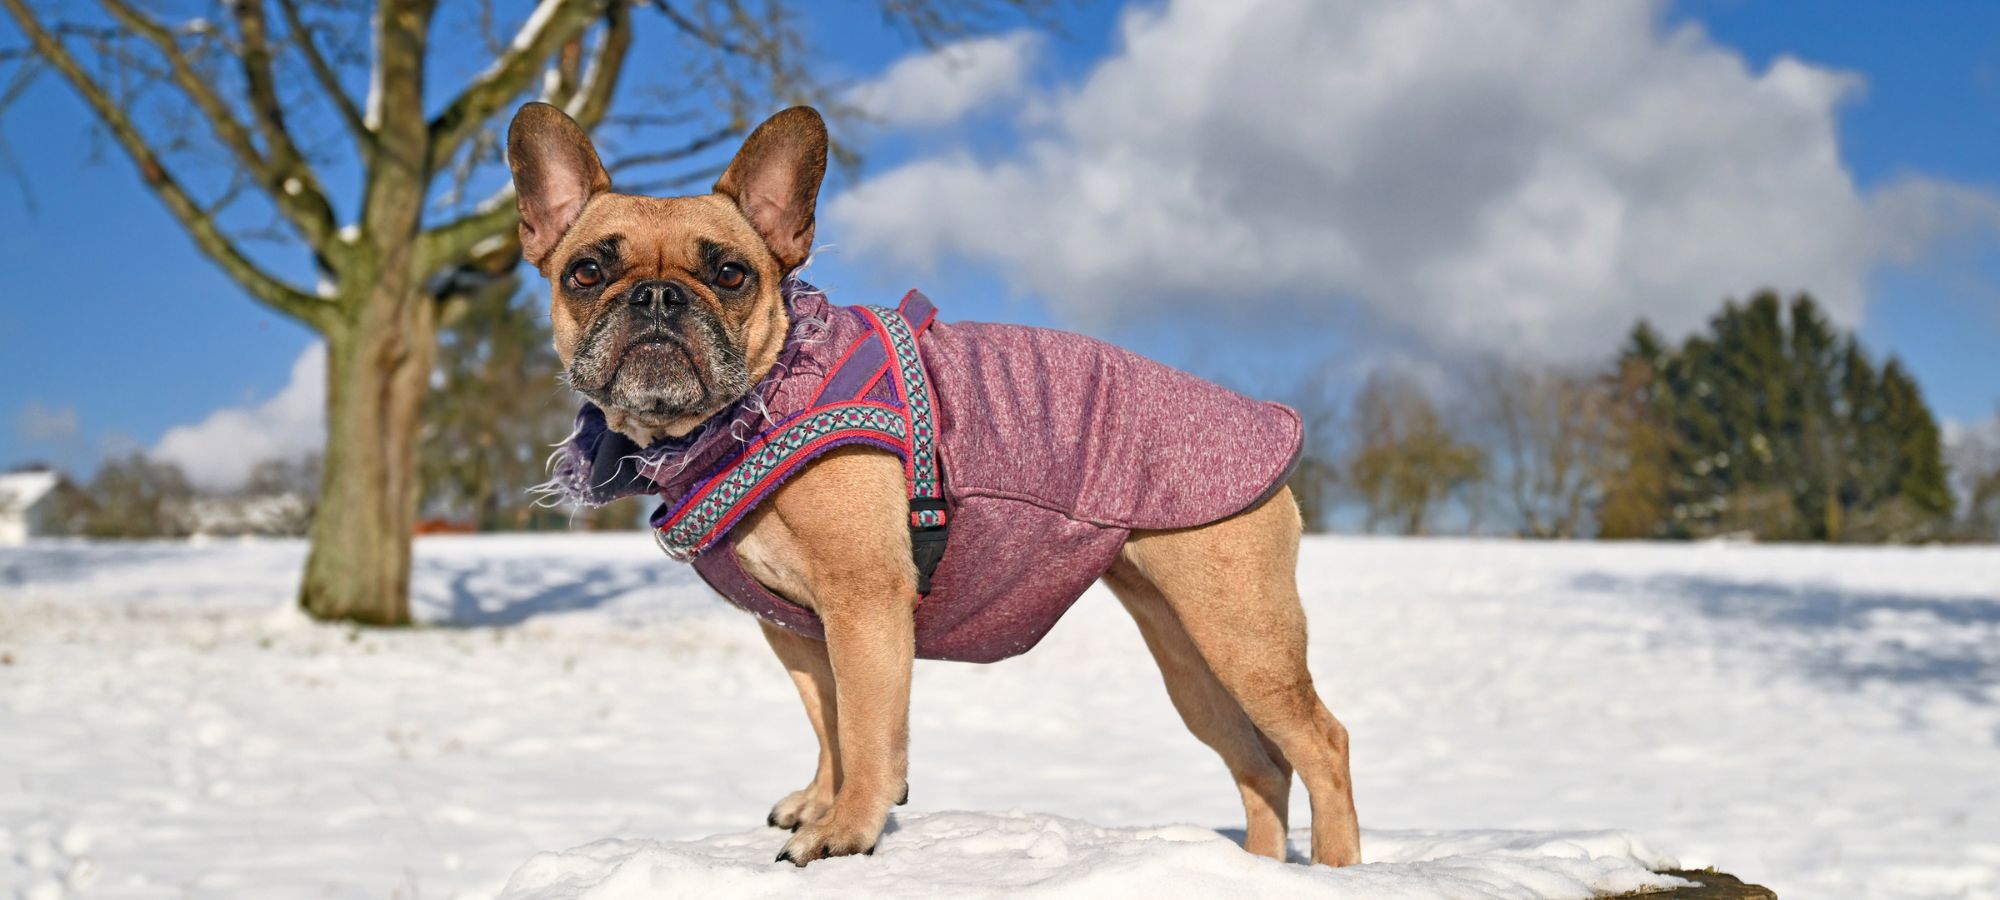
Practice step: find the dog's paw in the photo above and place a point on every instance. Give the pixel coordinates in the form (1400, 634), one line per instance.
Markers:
(800, 808)
(828, 838)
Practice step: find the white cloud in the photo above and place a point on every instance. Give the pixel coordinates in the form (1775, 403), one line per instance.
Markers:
(943, 85)
(218, 452)
(49, 424)
(1523, 177)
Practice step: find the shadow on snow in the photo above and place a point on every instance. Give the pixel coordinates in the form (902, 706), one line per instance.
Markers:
(1847, 637)
(489, 593)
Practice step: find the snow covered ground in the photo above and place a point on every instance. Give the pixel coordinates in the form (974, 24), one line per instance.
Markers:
(1528, 720)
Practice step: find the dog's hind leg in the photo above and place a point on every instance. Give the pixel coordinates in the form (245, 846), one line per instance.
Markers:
(1261, 774)
(1232, 585)
(805, 659)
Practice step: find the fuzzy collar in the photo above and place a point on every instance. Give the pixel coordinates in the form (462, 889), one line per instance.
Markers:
(595, 465)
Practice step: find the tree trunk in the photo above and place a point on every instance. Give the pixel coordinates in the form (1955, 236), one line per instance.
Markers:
(378, 368)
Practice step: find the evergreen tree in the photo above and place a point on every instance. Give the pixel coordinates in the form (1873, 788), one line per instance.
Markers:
(1864, 478)
(1812, 432)
(1773, 424)
(1917, 449)
(496, 403)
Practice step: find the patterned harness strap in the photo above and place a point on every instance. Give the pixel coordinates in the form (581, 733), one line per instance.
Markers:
(928, 521)
(846, 411)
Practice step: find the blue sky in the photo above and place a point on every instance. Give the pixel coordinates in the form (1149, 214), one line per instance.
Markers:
(115, 331)
(1930, 105)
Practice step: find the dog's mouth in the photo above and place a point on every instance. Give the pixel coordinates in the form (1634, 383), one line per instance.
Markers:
(657, 369)
(659, 373)
(657, 339)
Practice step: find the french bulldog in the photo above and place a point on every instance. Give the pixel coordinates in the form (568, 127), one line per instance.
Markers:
(667, 311)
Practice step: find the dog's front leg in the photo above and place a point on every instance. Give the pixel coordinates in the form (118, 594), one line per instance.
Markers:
(836, 539)
(870, 640)
(805, 659)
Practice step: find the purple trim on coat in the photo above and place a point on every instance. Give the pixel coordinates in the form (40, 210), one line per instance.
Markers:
(865, 364)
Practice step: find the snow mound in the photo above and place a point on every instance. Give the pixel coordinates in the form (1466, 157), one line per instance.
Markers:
(983, 854)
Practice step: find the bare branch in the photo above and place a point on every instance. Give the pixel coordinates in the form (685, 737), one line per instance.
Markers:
(488, 33)
(199, 89)
(693, 147)
(283, 161)
(328, 78)
(587, 100)
(392, 201)
(600, 80)
(266, 288)
(495, 217)
(290, 184)
(676, 182)
(453, 243)
(934, 22)
(549, 26)
(654, 120)
(700, 31)
(24, 76)
(565, 77)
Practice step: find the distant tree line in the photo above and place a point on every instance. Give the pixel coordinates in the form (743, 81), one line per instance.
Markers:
(136, 496)
(1770, 424)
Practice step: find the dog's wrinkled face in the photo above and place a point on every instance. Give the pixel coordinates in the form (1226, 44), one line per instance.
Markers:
(660, 305)
(666, 309)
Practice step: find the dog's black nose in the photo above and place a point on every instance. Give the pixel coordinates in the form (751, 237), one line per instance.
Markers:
(658, 296)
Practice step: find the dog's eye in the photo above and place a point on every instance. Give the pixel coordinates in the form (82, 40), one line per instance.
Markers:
(730, 276)
(586, 273)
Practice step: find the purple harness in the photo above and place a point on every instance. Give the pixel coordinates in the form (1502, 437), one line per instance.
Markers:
(878, 395)
(1041, 450)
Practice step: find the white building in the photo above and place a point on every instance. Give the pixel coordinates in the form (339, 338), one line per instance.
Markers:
(25, 498)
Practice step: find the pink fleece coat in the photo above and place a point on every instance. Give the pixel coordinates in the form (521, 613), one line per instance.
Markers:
(1053, 448)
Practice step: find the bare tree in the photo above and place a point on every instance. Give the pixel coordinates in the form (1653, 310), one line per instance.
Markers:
(1404, 461)
(1315, 482)
(1975, 468)
(247, 127)
(1551, 439)
(284, 493)
(135, 497)
(1638, 471)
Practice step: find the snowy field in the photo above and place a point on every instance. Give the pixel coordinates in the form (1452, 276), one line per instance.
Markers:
(1528, 720)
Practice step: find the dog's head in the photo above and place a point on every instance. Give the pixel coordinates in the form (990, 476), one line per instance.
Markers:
(666, 309)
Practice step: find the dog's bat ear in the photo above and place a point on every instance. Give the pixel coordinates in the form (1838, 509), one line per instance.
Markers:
(775, 180)
(555, 173)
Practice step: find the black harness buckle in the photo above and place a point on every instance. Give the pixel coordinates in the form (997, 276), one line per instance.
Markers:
(927, 543)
